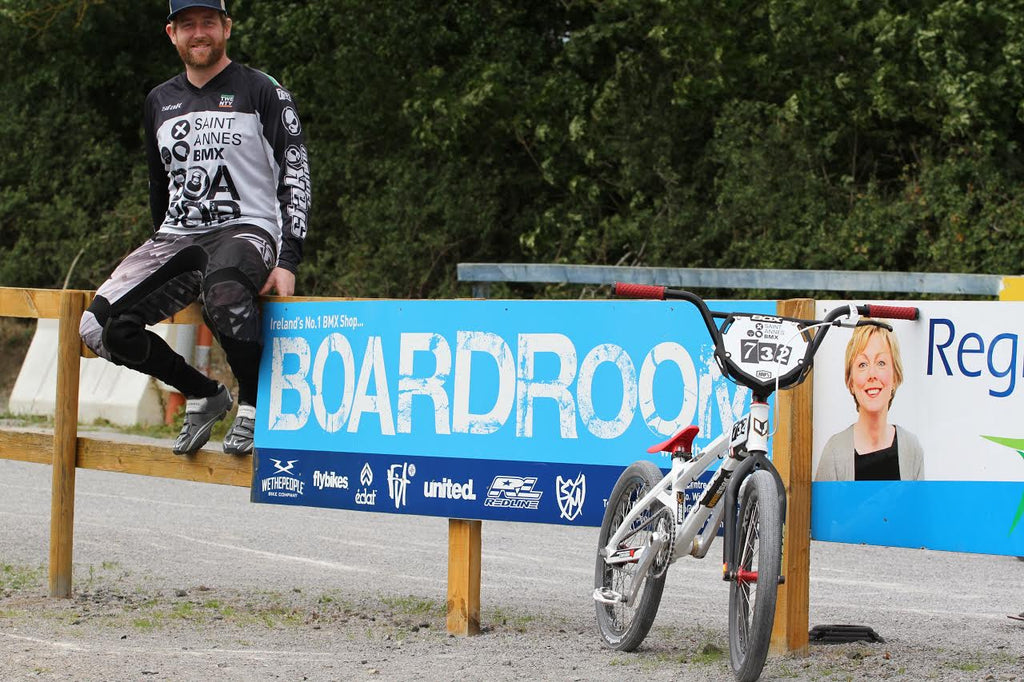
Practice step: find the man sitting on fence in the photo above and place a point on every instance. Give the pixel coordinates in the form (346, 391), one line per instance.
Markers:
(229, 195)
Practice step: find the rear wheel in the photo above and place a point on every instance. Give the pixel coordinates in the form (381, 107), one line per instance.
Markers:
(624, 626)
(752, 595)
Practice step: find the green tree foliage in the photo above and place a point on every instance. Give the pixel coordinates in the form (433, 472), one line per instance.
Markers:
(858, 134)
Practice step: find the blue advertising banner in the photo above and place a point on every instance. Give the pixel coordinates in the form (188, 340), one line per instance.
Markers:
(510, 410)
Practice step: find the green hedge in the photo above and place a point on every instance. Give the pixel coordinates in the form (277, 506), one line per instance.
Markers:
(848, 135)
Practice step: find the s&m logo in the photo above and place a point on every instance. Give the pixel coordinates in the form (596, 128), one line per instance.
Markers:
(571, 493)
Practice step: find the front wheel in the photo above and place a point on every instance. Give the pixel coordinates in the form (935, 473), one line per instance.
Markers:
(624, 626)
(753, 593)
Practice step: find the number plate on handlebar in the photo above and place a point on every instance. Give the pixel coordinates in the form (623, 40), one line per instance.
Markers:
(763, 347)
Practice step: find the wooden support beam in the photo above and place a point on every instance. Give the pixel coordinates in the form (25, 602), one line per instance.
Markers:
(205, 466)
(464, 576)
(791, 454)
(116, 453)
(26, 446)
(34, 303)
(65, 443)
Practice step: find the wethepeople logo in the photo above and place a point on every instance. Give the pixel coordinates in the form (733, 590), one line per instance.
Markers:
(571, 493)
(364, 496)
(399, 476)
(284, 482)
(329, 479)
(447, 489)
(513, 492)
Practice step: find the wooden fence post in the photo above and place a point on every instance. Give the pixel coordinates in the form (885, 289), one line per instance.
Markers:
(464, 576)
(791, 454)
(65, 443)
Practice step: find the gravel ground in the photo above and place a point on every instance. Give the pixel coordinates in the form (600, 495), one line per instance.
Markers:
(183, 581)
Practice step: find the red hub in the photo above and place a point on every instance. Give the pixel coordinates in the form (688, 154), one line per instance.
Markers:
(744, 576)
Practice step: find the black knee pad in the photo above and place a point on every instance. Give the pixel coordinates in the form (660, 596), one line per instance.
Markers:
(126, 338)
(229, 307)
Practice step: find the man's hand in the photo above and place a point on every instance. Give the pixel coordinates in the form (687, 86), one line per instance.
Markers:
(281, 281)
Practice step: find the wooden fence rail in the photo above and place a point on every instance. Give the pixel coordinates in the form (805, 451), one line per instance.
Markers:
(65, 451)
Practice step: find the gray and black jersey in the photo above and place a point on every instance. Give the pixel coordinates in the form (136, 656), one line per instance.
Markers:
(227, 154)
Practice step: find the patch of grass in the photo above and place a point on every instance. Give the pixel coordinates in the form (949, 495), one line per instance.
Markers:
(145, 624)
(516, 621)
(17, 578)
(28, 419)
(149, 431)
(414, 606)
(708, 654)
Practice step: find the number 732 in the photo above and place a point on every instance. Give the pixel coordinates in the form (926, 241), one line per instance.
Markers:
(753, 351)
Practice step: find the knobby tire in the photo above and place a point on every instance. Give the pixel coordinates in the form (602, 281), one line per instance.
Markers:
(624, 627)
(752, 604)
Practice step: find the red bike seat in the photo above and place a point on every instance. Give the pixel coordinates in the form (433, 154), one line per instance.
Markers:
(681, 441)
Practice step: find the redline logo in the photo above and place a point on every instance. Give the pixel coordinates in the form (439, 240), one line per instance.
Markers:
(513, 492)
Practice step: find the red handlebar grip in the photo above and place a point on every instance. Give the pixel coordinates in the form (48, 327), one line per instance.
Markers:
(639, 291)
(892, 312)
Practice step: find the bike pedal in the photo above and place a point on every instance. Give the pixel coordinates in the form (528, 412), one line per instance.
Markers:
(607, 595)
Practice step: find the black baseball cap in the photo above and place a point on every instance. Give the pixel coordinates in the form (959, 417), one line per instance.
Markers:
(179, 5)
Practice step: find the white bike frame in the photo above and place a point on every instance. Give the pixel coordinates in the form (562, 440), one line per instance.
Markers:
(749, 435)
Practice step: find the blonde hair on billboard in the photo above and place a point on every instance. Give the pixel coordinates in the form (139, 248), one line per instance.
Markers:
(859, 341)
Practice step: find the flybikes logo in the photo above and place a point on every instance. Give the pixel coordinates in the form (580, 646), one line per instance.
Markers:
(285, 482)
(171, 107)
(329, 479)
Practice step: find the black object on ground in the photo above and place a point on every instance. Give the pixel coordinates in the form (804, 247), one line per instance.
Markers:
(841, 634)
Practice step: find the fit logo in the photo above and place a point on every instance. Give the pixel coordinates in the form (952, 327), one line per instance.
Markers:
(399, 476)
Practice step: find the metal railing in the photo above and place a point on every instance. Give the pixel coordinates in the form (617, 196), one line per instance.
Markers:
(483, 274)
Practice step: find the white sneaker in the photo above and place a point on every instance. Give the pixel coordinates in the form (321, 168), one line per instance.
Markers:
(239, 438)
(200, 416)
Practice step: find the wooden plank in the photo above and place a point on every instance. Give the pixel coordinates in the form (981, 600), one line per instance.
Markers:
(206, 466)
(65, 444)
(15, 302)
(26, 446)
(45, 303)
(464, 576)
(120, 456)
(791, 454)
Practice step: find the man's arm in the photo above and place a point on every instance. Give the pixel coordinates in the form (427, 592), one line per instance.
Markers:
(158, 182)
(283, 131)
